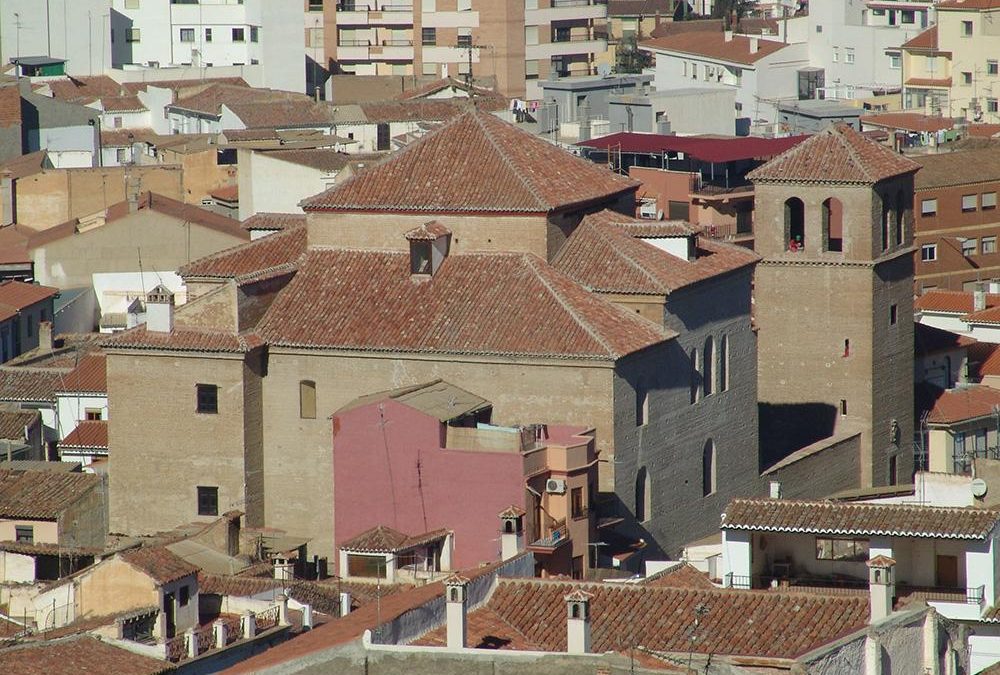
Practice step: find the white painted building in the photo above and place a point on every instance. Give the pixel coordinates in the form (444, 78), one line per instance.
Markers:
(213, 33)
(75, 30)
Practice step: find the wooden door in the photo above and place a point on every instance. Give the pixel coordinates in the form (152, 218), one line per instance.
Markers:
(947, 571)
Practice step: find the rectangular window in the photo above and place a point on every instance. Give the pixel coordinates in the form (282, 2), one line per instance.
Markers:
(907, 16)
(132, 35)
(989, 245)
(239, 35)
(254, 33)
(464, 37)
(131, 4)
(991, 67)
(577, 502)
(370, 566)
(893, 315)
(969, 203)
(93, 414)
(24, 534)
(641, 406)
(184, 597)
(928, 207)
(966, 77)
(208, 35)
(531, 69)
(208, 399)
(841, 548)
(531, 35)
(966, 28)
(208, 500)
(849, 56)
(307, 400)
(895, 61)
(428, 36)
(429, 69)
(315, 5)
(928, 252)
(991, 105)
(187, 34)
(836, 55)
(969, 247)
(464, 5)
(988, 200)
(843, 407)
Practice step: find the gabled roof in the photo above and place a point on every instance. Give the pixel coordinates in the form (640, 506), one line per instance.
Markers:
(16, 296)
(606, 253)
(926, 40)
(90, 376)
(474, 163)
(855, 518)
(41, 495)
(481, 303)
(951, 302)
(713, 45)
(961, 404)
(13, 424)
(738, 623)
(429, 231)
(36, 385)
(88, 435)
(80, 655)
(961, 167)
(683, 575)
(159, 563)
(908, 121)
(274, 221)
(278, 250)
(383, 539)
(27, 165)
(838, 154)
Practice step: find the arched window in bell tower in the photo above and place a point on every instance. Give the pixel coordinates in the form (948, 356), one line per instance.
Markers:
(795, 224)
(833, 225)
(900, 211)
(886, 221)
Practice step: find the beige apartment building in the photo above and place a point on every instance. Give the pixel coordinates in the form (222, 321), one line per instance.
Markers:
(517, 43)
(951, 69)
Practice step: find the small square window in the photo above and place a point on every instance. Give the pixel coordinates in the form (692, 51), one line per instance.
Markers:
(928, 252)
(187, 34)
(966, 28)
(428, 36)
(430, 69)
(208, 35)
(24, 534)
(893, 314)
(819, 29)
(208, 399)
(969, 247)
(239, 35)
(966, 77)
(991, 67)
(895, 61)
(849, 56)
(988, 201)
(928, 207)
(208, 500)
(989, 245)
(969, 203)
(93, 414)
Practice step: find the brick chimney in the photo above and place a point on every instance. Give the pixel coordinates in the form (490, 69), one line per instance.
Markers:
(881, 586)
(160, 310)
(45, 340)
(456, 589)
(511, 532)
(578, 622)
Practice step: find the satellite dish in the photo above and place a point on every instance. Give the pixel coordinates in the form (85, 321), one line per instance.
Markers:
(979, 488)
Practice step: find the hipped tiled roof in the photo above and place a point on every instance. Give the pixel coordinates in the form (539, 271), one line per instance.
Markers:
(41, 495)
(852, 518)
(30, 384)
(276, 250)
(80, 655)
(714, 45)
(90, 376)
(159, 563)
(926, 40)
(964, 403)
(474, 163)
(88, 435)
(607, 254)
(383, 539)
(838, 154)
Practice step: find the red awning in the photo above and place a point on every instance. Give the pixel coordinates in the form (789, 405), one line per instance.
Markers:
(715, 150)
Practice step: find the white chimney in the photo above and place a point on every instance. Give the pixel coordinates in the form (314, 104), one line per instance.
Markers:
(881, 586)
(456, 588)
(578, 622)
(283, 569)
(45, 337)
(995, 286)
(979, 298)
(754, 45)
(345, 604)
(775, 489)
(511, 532)
(728, 35)
(160, 310)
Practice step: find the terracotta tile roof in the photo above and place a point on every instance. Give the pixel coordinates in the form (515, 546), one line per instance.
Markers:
(83, 655)
(228, 193)
(853, 518)
(322, 596)
(930, 340)
(680, 576)
(926, 40)
(429, 231)
(425, 109)
(210, 99)
(16, 296)
(640, 7)
(121, 137)
(274, 221)
(838, 154)
(48, 549)
(907, 121)
(744, 623)
(89, 376)
(928, 82)
(41, 495)
(991, 315)
(983, 130)
(85, 89)
(476, 162)
(485, 629)
(10, 105)
(968, 4)
(964, 403)
(383, 539)
(14, 245)
(12, 424)
(484, 303)
(324, 159)
(606, 253)
(88, 435)
(27, 165)
(185, 341)
(960, 167)
(277, 250)
(29, 384)
(113, 104)
(159, 563)
(187, 86)
(984, 359)
(283, 113)
(951, 302)
(713, 45)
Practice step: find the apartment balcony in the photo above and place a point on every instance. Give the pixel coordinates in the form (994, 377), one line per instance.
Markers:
(573, 46)
(449, 54)
(374, 13)
(974, 595)
(354, 50)
(557, 537)
(566, 10)
(392, 50)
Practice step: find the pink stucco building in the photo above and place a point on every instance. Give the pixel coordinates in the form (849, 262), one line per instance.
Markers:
(425, 458)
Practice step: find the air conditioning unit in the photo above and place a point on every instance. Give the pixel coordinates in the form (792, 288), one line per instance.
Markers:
(555, 486)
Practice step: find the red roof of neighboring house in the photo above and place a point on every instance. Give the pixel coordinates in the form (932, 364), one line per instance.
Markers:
(81, 655)
(475, 162)
(89, 376)
(159, 563)
(984, 359)
(41, 495)
(14, 245)
(13, 424)
(29, 384)
(89, 434)
(983, 130)
(909, 121)
(429, 231)
(278, 250)
(707, 149)
(928, 82)
(10, 105)
(990, 315)
(384, 539)
(186, 341)
(714, 45)
(838, 154)
(16, 296)
(968, 4)
(856, 518)
(926, 40)
(951, 302)
(964, 403)
(229, 193)
(680, 576)
(606, 253)
(478, 303)
(274, 221)
(27, 165)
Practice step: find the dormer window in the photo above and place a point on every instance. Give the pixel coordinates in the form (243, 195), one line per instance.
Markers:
(428, 248)
(420, 257)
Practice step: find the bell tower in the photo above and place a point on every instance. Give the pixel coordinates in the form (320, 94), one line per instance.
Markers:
(834, 293)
